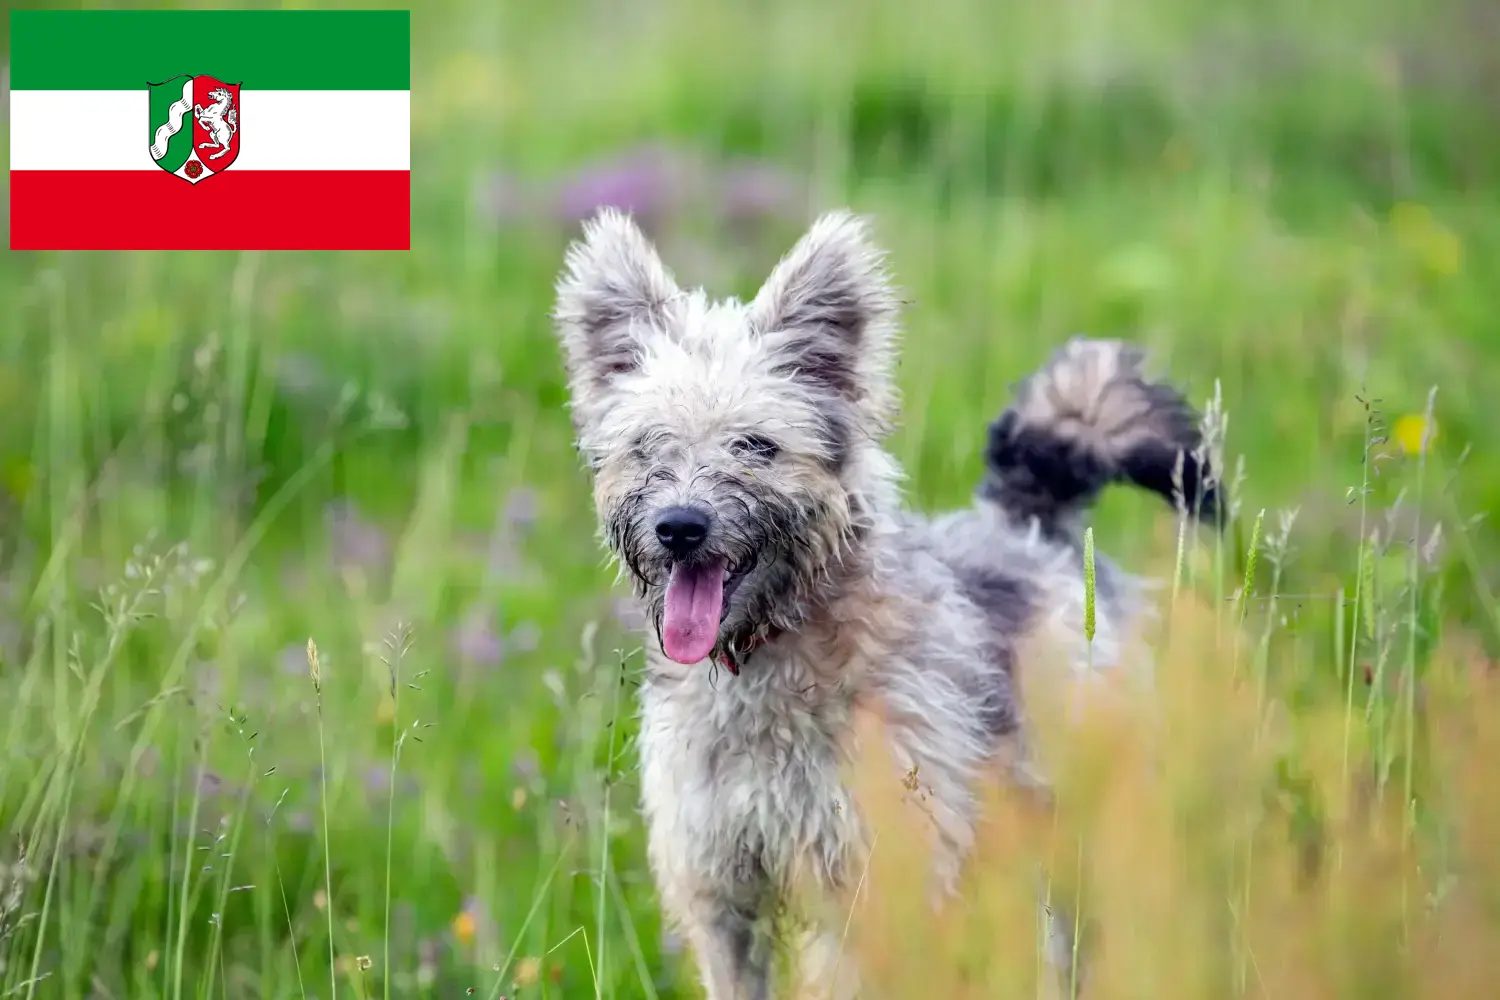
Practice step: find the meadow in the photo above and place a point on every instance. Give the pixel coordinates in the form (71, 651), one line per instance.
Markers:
(314, 681)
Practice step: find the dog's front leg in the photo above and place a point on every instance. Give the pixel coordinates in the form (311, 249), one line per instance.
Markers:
(730, 935)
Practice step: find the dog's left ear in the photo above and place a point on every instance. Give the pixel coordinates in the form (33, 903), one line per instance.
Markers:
(829, 313)
(614, 290)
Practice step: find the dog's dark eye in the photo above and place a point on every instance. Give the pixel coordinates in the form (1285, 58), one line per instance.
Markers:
(755, 446)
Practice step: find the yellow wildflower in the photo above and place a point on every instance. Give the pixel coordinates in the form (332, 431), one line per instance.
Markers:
(464, 926)
(1410, 430)
(528, 971)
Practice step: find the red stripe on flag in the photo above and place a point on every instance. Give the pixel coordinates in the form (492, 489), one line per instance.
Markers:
(238, 210)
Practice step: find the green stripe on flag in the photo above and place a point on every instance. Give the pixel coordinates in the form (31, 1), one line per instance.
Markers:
(260, 49)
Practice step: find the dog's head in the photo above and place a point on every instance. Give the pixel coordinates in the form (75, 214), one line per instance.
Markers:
(734, 446)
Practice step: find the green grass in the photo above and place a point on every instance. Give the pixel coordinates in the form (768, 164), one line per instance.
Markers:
(1295, 207)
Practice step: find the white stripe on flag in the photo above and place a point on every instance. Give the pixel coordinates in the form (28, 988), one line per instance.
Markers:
(284, 130)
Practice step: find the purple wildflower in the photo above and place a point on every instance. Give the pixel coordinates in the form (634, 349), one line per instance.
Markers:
(293, 659)
(648, 183)
(357, 543)
(378, 779)
(476, 641)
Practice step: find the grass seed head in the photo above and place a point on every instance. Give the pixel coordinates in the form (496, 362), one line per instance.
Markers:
(312, 665)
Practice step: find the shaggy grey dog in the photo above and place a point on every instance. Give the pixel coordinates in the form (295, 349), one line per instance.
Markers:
(740, 480)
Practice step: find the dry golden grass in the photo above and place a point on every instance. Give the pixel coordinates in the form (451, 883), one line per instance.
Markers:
(1222, 844)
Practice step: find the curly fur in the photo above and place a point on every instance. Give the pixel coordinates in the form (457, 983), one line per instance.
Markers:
(769, 416)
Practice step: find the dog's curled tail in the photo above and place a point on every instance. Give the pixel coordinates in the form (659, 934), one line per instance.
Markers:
(1088, 418)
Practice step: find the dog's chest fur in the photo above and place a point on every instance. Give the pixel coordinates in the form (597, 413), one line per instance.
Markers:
(748, 771)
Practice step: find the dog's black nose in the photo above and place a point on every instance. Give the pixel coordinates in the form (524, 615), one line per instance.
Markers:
(681, 530)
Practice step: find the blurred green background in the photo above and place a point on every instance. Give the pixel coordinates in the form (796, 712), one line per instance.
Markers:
(207, 458)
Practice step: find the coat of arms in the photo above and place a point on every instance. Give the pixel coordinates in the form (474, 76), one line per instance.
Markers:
(195, 126)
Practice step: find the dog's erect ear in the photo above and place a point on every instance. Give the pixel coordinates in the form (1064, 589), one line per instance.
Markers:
(829, 312)
(613, 286)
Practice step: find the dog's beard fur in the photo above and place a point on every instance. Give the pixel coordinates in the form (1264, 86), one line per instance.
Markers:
(784, 552)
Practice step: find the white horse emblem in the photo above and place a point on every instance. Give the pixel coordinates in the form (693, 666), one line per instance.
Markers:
(220, 120)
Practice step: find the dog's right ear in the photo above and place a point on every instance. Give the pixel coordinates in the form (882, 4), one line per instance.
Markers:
(612, 290)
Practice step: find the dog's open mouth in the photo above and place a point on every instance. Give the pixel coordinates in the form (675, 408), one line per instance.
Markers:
(696, 599)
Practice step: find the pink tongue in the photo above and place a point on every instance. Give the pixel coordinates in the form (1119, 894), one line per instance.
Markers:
(690, 626)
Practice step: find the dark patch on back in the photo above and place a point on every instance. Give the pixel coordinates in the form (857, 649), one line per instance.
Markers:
(1005, 601)
(1008, 607)
(998, 712)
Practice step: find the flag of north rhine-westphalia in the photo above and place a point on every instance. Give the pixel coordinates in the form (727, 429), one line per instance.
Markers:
(210, 130)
